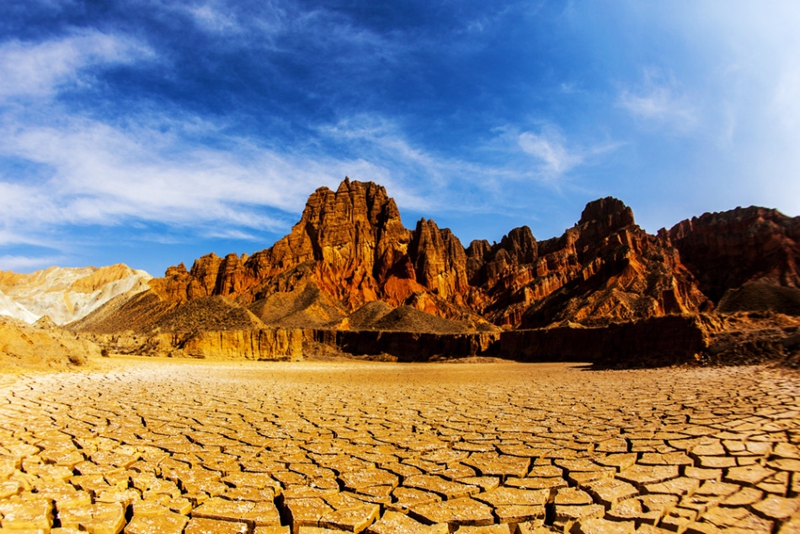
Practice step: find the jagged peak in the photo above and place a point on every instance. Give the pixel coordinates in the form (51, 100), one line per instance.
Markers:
(175, 270)
(604, 209)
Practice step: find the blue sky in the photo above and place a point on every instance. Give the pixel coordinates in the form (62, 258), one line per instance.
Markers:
(152, 131)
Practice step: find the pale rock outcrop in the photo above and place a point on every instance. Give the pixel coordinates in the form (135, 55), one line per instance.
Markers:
(66, 294)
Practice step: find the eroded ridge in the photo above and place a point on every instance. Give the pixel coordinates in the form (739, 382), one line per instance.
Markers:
(162, 447)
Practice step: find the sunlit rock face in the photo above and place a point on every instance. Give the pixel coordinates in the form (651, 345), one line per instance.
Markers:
(604, 269)
(351, 245)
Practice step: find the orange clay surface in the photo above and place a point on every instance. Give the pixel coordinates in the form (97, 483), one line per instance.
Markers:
(162, 446)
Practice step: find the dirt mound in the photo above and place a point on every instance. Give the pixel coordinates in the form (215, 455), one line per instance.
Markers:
(208, 314)
(305, 307)
(747, 338)
(45, 323)
(761, 296)
(25, 347)
(408, 319)
(139, 313)
(148, 312)
(369, 314)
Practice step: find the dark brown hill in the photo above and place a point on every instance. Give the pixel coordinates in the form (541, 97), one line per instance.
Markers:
(761, 296)
(408, 319)
(728, 249)
(303, 307)
(368, 314)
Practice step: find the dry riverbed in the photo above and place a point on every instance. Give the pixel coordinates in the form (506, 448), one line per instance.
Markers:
(161, 446)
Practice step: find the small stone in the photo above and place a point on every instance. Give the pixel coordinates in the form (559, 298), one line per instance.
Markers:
(397, 523)
(201, 525)
(167, 523)
(774, 507)
(463, 511)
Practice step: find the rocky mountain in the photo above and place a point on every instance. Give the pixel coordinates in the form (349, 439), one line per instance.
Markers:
(350, 248)
(350, 277)
(604, 269)
(66, 294)
(726, 250)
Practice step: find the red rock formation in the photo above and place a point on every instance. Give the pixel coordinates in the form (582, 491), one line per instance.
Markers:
(439, 261)
(604, 269)
(351, 244)
(728, 249)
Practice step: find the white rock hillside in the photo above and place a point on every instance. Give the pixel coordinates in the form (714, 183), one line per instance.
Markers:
(66, 294)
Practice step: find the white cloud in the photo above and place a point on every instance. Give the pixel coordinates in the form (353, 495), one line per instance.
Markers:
(24, 264)
(105, 175)
(661, 102)
(212, 19)
(39, 69)
(556, 157)
(549, 148)
(232, 234)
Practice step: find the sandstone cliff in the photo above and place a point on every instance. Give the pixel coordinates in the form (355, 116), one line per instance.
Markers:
(349, 277)
(351, 245)
(350, 249)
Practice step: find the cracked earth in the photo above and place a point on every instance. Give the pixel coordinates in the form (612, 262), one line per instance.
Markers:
(159, 446)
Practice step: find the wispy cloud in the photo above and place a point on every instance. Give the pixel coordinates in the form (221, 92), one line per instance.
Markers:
(26, 264)
(660, 101)
(213, 19)
(555, 155)
(39, 69)
(101, 174)
(549, 148)
(232, 234)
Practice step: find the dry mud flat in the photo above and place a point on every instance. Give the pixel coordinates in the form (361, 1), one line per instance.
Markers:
(148, 446)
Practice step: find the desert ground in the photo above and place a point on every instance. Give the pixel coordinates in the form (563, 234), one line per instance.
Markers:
(145, 445)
